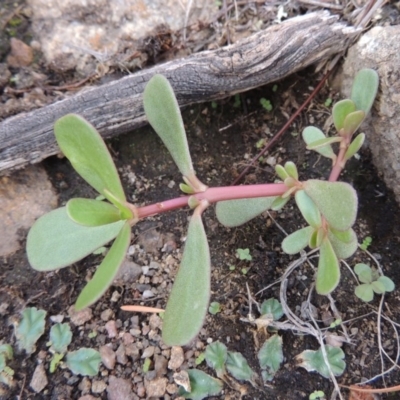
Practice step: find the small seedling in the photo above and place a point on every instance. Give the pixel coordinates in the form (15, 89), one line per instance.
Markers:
(317, 395)
(272, 307)
(328, 102)
(335, 323)
(237, 102)
(30, 328)
(214, 308)
(270, 357)
(6, 373)
(266, 104)
(68, 234)
(146, 365)
(200, 358)
(366, 243)
(202, 386)
(371, 283)
(243, 254)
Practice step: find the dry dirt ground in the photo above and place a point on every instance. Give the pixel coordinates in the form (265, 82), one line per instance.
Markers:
(223, 137)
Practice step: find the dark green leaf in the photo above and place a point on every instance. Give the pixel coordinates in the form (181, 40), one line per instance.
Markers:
(106, 271)
(233, 213)
(55, 241)
(188, 301)
(85, 149)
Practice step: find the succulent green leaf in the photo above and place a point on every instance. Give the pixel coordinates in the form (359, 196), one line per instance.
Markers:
(343, 236)
(378, 287)
(281, 172)
(188, 302)
(387, 283)
(186, 188)
(233, 213)
(279, 203)
(355, 146)
(216, 355)
(273, 307)
(353, 121)
(291, 169)
(364, 89)
(297, 241)
(55, 241)
(106, 271)
(314, 241)
(364, 273)
(364, 292)
(238, 366)
(313, 360)
(125, 212)
(337, 202)
(271, 355)
(344, 249)
(312, 134)
(89, 212)
(84, 361)
(30, 328)
(340, 111)
(60, 337)
(202, 385)
(85, 149)
(328, 274)
(323, 142)
(308, 209)
(163, 113)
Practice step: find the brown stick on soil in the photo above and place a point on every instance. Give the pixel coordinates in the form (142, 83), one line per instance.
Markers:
(116, 107)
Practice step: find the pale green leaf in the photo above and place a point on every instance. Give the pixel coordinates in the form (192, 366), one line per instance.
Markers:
(271, 355)
(214, 308)
(188, 301)
(7, 352)
(85, 149)
(353, 121)
(355, 146)
(89, 212)
(297, 241)
(60, 337)
(313, 360)
(55, 241)
(387, 283)
(163, 113)
(378, 287)
(323, 142)
(364, 272)
(272, 307)
(30, 328)
(312, 134)
(281, 172)
(233, 213)
(364, 292)
(84, 361)
(291, 169)
(216, 354)
(202, 385)
(364, 89)
(106, 271)
(238, 366)
(328, 274)
(340, 111)
(337, 201)
(308, 209)
(279, 203)
(344, 249)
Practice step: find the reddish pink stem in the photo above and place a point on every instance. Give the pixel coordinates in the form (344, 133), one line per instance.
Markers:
(213, 195)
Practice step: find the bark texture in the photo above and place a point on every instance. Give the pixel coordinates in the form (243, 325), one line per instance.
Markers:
(116, 107)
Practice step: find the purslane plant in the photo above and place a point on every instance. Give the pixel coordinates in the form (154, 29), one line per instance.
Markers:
(73, 232)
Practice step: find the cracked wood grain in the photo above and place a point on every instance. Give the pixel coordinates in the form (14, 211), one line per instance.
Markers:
(116, 107)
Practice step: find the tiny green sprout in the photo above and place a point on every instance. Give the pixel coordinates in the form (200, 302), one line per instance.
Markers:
(275, 88)
(266, 104)
(214, 105)
(200, 358)
(243, 254)
(232, 268)
(371, 283)
(335, 323)
(100, 251)
(366, 243)
(260, 143)
(6, 373)
(244, 271)
(146, 365)
(317, 395)
(214, 308)
(92, 334)
(328, 102)
(30, 328)
(237, 101)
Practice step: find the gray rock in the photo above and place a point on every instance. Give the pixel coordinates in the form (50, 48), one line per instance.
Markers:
(128, 273)
(39, 379)
(380, 49)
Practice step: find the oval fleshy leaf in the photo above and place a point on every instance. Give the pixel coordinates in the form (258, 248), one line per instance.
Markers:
(297, 241)
(279, 203)
(281, 172)
(308, 209)
(231, 213)
(353, 121)
(55, 241)
(343, 249)
(328, 274)
(163, 113)
(85, 149)
(89, 212)
(106, 271)
(364, 89)
(340, 111)
(355, 146)
(323, 142)
(312, 134)
(337, 202)
(188, 302)
(387, 283)
(291, 169)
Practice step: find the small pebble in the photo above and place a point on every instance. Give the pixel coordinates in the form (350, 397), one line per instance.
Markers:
(111, 328)
(98, 386)
(78, 318)
(39, 379)
(148, 352)
(156, 387)
(85, 385)
(107, 314)
(176, 358)
(108, 357)
(119, 389)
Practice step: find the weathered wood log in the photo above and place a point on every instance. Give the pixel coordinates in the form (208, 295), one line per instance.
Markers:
(116, 107)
